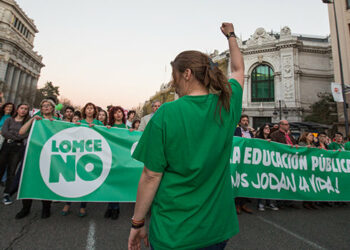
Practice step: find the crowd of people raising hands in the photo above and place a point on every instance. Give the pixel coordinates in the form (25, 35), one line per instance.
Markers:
(15, 124)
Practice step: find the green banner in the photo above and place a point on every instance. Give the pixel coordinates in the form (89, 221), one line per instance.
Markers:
(67, 162)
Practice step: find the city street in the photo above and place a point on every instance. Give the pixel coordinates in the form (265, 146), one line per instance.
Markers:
(327, 228)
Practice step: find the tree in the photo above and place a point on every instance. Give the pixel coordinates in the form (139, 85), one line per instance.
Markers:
(323, 111)
(49, 90)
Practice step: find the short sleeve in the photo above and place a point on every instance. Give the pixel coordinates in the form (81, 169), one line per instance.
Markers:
(236, 99)
(150, 148)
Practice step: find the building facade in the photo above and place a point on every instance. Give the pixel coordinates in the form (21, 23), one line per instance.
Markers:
(284, 73)
(342, 9)
(20, 65)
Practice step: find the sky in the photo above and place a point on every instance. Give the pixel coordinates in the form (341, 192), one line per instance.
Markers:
(119, 52)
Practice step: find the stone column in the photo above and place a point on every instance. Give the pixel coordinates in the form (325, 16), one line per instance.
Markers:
(33, 90)
(13, 86)
(20, 89)
(27, 89)
(8, 80)
(246, 90)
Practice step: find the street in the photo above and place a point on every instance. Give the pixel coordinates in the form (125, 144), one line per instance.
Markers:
(326, 228)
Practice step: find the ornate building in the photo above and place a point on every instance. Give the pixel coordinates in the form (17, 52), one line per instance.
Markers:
(284, 73)
(19, 65)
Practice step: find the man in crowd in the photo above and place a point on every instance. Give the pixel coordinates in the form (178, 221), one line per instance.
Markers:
(68, 114)
(243, 131)
(347, 145)
(147, 118)
(282, 135)
(338, 143)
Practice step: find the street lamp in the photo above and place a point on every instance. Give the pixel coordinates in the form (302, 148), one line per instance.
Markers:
(341, 69)
(285, 111)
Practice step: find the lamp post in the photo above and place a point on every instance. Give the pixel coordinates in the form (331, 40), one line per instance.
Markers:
(341, 69)
(275, 113)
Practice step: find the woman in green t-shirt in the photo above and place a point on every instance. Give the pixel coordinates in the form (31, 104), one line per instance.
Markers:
(89, 114)
(186, 150)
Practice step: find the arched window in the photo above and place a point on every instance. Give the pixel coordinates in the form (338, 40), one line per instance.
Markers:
(263, 89)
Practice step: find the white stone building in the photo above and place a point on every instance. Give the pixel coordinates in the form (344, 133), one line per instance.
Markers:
(19, 65)
(284, 73)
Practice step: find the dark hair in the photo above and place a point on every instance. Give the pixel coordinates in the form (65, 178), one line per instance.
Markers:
(131, 112)
(260, 133)
(86, 105)
(338, 133)
(106, 116)
(2, 109)
(69, 107)
(77, 113)
(209, 75)
(112, 112)
(243, 116)
(134, 122)
(322, 133)
(26, 117)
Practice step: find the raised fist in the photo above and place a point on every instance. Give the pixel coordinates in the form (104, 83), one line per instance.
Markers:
(227, 28)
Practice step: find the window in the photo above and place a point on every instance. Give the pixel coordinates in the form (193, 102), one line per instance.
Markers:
(259, 121)
(263, 84)
(348, 4)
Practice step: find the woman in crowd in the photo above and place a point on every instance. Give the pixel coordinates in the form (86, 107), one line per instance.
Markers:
(13, 148)
(135, 124)
(117, 117)
(76, 118)
(89, 115)
(130, 118)
(264, 134)
(47, 111)
(307, 140)
(103, 117)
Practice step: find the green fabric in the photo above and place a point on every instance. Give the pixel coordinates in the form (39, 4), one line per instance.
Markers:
(119, 125)
(185, 140)
(3, 119)
(336, 146)
(347, 146)
(96, 122)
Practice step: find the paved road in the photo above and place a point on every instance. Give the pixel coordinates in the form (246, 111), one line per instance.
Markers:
(327, 228)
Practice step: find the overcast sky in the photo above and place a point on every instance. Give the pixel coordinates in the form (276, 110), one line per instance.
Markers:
(118, 52)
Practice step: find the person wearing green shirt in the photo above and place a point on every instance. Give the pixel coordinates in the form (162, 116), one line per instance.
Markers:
(47, 111)
(338, 143)
(89, 114)
(347, 146)
(186, 150)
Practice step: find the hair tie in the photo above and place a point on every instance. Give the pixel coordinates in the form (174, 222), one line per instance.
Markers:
(212, 64)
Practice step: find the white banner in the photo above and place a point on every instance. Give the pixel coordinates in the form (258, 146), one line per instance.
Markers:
(337, 92)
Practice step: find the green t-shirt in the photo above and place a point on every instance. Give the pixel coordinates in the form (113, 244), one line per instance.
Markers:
(185, 140)
(347, 146)
(336, 146)
(96, 122)
(119, 125)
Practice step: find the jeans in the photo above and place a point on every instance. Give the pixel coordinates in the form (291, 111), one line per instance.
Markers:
(10, 155)
(113, 205)
(218, 246)
(82, 204)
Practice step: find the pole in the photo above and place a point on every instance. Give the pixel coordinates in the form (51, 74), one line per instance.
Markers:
(341, 76)
(280, 107)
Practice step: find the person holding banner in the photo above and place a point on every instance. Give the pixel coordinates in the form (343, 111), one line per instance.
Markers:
(347, 145)
(68, 114)
(187, 177)
(102, 117)
(12, 151)
(47, 111)
(338, 143)
(89, 114)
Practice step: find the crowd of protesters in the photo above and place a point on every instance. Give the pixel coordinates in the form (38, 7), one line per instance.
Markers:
(15, 124)
(281, 133)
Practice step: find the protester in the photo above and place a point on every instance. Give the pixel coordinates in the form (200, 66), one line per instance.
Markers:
(130, 118)
(136, 124)
(13, 148)
(347, 145)
(187, 176)
(68, 114)
(89, 115)
(117, 117)
(47, 110)
(307, 140)
(243, 131)
(283, 135)
(103, 117)
(76, 119)
(147, 118)
(264, 134)
(322, 141)
(338, 143)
